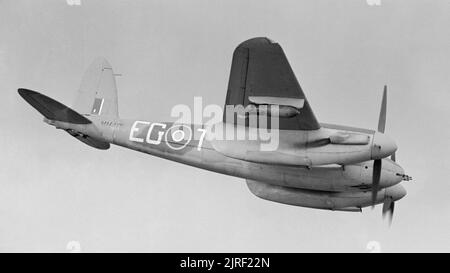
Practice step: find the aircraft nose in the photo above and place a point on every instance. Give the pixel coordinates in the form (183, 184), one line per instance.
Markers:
(383, 146)
(396, 192)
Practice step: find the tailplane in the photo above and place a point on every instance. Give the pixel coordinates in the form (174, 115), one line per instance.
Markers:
(97, 96)
(65, 118)
(52, 109)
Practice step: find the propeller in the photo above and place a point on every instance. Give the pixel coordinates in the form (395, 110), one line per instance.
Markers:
(376, 175)
(388, 208)
(382, 118)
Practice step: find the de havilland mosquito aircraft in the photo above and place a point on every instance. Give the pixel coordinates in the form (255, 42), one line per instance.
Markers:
(314, 165)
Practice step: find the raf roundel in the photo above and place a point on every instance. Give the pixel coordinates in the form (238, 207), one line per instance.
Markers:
(178, 136)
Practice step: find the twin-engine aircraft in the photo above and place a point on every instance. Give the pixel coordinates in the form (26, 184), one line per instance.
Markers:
(314, 165)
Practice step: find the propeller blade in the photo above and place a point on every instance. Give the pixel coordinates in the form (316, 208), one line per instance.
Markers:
(393, 157)
(382, 118)
(376, 175)
(388, 208)
(391, 213)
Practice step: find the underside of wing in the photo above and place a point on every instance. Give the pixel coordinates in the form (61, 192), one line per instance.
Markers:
(261, 75)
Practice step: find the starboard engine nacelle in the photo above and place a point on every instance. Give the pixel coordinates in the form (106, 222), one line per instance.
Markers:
(298, 148)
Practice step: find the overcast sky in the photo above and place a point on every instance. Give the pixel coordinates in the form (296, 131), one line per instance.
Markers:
(54, 189)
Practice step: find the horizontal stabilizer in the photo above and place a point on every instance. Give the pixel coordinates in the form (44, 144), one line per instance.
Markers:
(51, 109)
(62, 117)
(101, 145)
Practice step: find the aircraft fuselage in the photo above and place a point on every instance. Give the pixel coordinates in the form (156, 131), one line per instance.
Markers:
(159, 139)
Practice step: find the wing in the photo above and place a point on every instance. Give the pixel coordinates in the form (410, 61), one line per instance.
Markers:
(260, 72)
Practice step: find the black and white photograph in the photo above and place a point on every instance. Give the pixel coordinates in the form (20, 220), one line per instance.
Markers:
(224, 126)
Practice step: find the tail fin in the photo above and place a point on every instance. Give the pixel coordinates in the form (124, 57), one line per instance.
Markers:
(98, 92)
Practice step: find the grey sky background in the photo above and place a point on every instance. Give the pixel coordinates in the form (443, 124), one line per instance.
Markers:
(54, 189)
